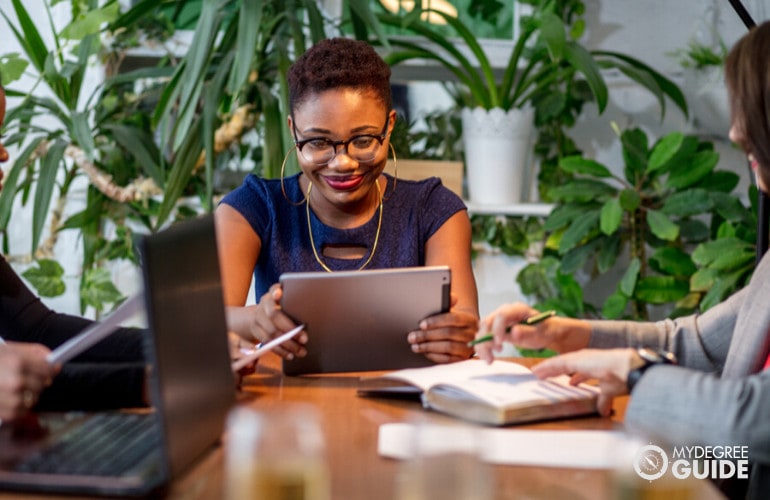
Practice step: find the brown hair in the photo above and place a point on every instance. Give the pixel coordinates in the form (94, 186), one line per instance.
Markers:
(747, 74)
(337, 63)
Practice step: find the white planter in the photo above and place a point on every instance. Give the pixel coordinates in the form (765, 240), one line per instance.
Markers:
(497, 154)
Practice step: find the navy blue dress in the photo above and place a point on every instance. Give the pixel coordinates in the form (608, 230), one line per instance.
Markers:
(412, 213)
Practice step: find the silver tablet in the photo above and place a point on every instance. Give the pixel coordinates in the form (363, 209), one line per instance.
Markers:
(359, 320)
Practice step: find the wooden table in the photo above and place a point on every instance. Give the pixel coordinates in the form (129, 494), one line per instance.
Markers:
(350, 425)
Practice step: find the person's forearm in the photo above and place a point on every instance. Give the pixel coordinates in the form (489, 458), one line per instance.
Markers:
(95, 386)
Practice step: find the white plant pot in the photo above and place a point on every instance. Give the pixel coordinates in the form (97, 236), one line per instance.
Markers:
(497, 154)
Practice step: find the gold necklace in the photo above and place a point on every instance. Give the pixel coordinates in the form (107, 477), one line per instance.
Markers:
(312, 241)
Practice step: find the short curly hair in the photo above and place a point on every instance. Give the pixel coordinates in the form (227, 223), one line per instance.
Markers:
(338, 63)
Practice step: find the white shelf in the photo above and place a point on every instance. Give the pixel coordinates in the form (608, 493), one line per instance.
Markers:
(522, 209)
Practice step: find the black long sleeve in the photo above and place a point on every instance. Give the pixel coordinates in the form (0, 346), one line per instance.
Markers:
(108, 375)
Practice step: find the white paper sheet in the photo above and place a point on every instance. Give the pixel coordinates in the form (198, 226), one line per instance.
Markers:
(584, 449)
(97, 331)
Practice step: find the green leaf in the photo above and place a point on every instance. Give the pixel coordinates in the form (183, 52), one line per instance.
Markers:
(703, 279)
(583, 61)
(673, 261)
(707, 253)
(608, 253)
(693, 230)
(630, 200)
(82, 134)
(29, 37)
(629, 279)
(730, 207)
(614, 306)
(46, 278)
(91, 23)
(12, 67)
(249, 16)
(97, 289)
(661, 226)
(688, 174)
(582, 190)
(661, 289)
(49, 168)
(694, 201)
(578, 230)
(635, 147)
(665, 150)
(562, 215)
(722, 287)
(611, 216)
(553, 34)
(719, 180)
(578, 165)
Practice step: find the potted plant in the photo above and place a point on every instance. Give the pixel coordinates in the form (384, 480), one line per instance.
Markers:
(688, 240)
(546, 65)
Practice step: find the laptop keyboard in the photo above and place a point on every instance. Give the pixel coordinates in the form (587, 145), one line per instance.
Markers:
(108, 444)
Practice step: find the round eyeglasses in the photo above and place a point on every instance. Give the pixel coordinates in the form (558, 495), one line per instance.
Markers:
(362, 148)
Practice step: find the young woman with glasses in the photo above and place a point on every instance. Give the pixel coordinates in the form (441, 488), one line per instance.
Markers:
(341, 212)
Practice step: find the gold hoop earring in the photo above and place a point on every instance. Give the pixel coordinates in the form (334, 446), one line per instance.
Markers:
(283, 187)
(395, 174)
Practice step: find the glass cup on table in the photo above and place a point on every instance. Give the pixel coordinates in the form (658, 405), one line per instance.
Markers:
(445, 462)
(275, 453)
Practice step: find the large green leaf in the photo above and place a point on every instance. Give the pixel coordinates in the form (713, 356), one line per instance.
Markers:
(10, 182)
(703, 163)
(582, 190)
(49, 168)
(609, 250)
(611, 216)
(29, 37)
(661, 226)
(661, 289)
(665, 150)
(628, 281)
(250, 15)
(708, 253)
(672, 261)
(668, 87)
(91, 22)
(141, 147)
(584, 62)
(46, 278)
(684, 203)
(579, 230)
(562, 215)
(580, 165)
(614, 306)
(635, 148)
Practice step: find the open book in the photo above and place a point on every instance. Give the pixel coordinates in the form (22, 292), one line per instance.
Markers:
(500, 393)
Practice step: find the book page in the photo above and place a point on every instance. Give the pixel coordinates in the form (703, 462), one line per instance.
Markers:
(453, 373)
(507, 390)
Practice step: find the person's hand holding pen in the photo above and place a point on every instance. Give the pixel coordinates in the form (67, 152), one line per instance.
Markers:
(523, 326)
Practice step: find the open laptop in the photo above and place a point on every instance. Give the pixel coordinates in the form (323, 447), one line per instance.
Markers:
(359, 320)
(190, 381)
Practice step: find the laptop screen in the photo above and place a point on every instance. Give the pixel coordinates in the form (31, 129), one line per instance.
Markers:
(194, 386)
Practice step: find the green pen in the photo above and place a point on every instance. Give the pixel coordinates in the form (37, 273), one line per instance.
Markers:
(537, 318)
